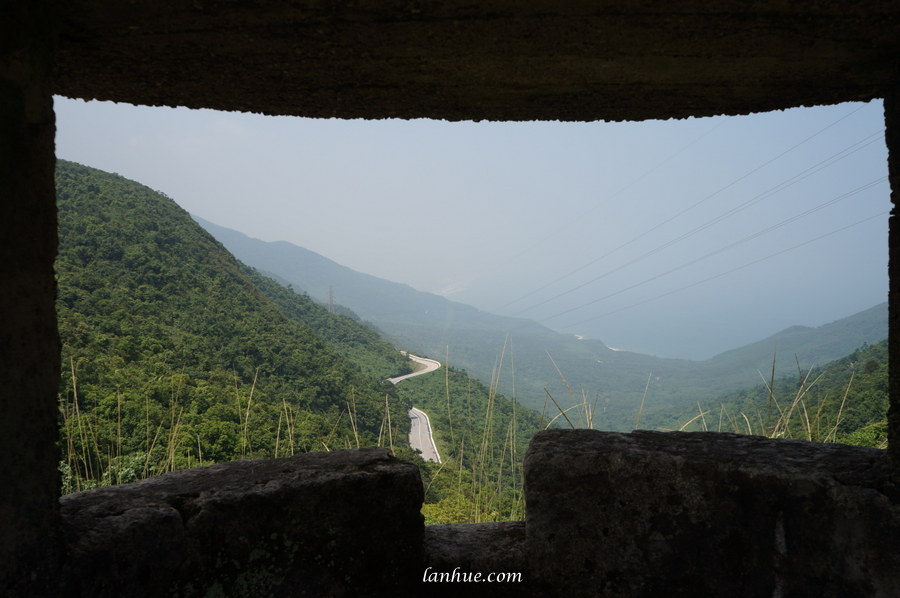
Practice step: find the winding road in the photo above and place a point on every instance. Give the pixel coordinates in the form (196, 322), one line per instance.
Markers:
(420, 436)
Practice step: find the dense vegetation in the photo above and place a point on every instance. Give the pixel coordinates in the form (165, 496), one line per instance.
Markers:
(426, 324)
(481, 437)
(175, 354)
(844, 401)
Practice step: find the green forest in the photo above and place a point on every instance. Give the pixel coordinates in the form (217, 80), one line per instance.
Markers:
(175, 355)
(482, 437)
(427, 324)
(844, 401)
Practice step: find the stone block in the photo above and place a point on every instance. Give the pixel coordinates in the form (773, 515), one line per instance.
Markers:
(345, 523)
(461, 549)
(708, 514)
(29, 342)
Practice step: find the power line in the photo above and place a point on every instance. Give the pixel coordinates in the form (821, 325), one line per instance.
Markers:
(677, 215)
(818, 167)
(731, 271)
(725, 248)
(615, 194)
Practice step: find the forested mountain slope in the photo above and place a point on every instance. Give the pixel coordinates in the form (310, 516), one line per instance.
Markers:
(845, 401)
(176, 354)
(812, 346)
(432, 325)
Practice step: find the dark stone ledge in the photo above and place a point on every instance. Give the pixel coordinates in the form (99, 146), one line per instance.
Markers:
(346, 523)
(485, 548)
(707, 514)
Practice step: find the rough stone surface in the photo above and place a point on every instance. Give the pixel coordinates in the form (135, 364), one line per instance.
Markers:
(892, 138)
(29, 343)
(345, 523)
(706, 514)
(491, 59)
(476, 547)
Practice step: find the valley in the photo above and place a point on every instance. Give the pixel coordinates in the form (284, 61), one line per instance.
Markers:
(177, 355)
(474, 339)
(182, 349)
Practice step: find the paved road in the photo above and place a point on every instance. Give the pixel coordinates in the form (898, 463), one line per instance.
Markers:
(420, 436)
(430, 366)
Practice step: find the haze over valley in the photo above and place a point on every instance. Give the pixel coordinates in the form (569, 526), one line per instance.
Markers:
(535, 356)
(678, 239)
(177, 354)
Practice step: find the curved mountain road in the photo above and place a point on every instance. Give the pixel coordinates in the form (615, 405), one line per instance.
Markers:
(420, 435)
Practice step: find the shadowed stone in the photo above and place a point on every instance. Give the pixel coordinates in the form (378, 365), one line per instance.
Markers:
(497, 548)
(707, 514)
(29, 343)
(491, 59)
(345, 523)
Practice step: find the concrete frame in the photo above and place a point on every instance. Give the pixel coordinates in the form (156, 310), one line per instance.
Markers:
(359, 59)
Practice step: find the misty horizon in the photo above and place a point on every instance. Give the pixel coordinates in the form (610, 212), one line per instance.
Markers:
(677, 239)
(335, 297)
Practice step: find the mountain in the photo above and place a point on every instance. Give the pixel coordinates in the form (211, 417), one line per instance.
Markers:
(808, 346)
(527, 360)
(470, 339)
(845, 400)
(176, 354)
(372, 298)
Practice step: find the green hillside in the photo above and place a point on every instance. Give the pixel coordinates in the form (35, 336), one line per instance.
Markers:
(175, 354)
(482, 437)
(812, 346)
(429, 324)
(843, 401)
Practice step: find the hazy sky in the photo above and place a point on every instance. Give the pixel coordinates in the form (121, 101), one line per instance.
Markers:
(676, 238)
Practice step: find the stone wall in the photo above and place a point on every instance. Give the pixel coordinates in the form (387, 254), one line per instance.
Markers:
(29, 344)
(709, 514)
(642, 514)
(892, 137)
(578, 60)
(346, 523)
(376, 59)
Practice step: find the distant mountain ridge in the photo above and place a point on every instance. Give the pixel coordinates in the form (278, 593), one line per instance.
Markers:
(817, 345)
(476, 340)
(793, 346)
(844, 401)
(369, 297)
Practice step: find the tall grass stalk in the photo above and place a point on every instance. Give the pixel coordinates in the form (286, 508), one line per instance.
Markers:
(387, 410)
(794, 418)
(278, 431)
(637, 421)
(837, 421)
(562, 412)
(692, 420)
(245, 436)
(351, 409)
(447, 391)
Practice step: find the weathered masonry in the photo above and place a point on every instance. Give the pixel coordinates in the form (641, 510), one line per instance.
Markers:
(575, 60)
